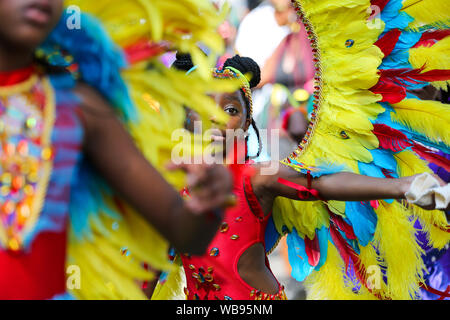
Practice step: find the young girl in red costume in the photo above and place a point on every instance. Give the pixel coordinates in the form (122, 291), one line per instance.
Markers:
(236, 266)
(54, 131)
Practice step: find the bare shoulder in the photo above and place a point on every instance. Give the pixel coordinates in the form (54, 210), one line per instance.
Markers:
(91, 100)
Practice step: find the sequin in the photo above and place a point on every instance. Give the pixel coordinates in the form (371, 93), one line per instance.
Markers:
(216, 286)
(214, 252)
(344, 135)
(8, 207)
(238, 219)
(46, 154)
(224, 227)
(234, 237)
(227, 298)
(192, 267)
(349, 43)
(13, 244)
(31, 123)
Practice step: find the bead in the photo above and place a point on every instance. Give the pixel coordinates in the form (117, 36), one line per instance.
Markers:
(227, 298)
(238, 219)
(234, 237)
(349, 43)
(210, 269)
(224, 227)
(216, 286)
(192, 267)
(214, 252)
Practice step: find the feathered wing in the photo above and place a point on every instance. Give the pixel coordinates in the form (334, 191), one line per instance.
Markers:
(117, 51)
(366, 120)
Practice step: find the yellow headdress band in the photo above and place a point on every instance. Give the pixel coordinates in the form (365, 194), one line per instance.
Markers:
(230, 72)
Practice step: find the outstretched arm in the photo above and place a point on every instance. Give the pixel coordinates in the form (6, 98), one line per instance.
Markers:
(343, 186)
(113, 153)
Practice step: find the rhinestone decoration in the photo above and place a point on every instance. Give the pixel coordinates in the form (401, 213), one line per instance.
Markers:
(234, 237)
(214, 252)
(349, 43)
(224, 227)
(26, 121)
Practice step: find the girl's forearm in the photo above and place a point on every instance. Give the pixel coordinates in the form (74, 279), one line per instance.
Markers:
(353, 187)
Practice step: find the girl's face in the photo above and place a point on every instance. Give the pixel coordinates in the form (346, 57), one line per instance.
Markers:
(234, 105)
(27, 23)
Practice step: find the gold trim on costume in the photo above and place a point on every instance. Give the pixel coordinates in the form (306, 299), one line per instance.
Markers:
(13, 239)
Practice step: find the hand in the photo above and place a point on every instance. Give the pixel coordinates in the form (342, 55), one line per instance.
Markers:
(423, 189)
(210, 186)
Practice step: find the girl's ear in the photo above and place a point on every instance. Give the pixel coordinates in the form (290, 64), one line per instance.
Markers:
(247, 125)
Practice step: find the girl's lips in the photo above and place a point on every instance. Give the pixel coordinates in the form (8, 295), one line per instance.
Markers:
(38, 14)
(217, 138)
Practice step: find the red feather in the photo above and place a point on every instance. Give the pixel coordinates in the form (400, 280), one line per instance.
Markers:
(343, 226)
(390, 91)
(143, 50)
(432, 157)
(379, 3)
(391, 139)
(388, 41)
(312, 249)
(429, 38)
(414, 75)
(340, 244)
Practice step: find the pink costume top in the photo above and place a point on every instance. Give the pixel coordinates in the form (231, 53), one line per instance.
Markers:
(214, 276)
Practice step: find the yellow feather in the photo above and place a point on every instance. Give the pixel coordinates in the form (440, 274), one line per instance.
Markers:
(395, 239)
(436, 57)
(427, 12)
(430, 118)
(433, 222)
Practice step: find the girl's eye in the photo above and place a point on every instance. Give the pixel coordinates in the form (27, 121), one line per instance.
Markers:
(231, 110)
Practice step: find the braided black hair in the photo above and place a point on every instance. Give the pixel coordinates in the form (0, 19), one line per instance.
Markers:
(183, 62)
(248, 66)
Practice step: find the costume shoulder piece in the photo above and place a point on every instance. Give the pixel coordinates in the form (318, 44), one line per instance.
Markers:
(115, 48)
(369, 56)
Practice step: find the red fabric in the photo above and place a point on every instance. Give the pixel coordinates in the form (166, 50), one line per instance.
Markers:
(37, 275)
(10, 78)
(210, 276)
(388, 41)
